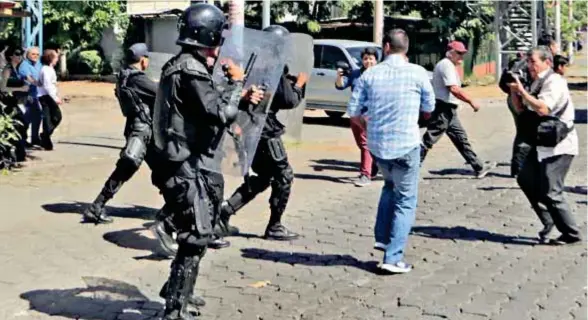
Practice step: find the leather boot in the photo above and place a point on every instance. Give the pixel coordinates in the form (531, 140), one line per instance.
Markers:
(223, 228)
(180, 286)
(96, 213)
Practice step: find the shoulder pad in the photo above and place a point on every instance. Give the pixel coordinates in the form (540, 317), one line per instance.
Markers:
(194, 67)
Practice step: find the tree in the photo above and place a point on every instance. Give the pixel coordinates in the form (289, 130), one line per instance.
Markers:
(569, 28)
(79, 24)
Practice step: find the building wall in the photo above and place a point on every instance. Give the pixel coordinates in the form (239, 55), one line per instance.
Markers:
(142, 6)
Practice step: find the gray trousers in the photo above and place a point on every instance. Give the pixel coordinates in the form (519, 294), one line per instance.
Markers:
(543, 184)
(445, 120)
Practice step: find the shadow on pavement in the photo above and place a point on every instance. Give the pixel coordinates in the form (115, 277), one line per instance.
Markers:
(336, 165)
(577, 189)
(310, 259)
(134, 239)
(101, 299)
(463, 172)
(581, 116)
(578, 86)
(90, 145)
(327, 121)
(463, 233)
(139, 212)
(305, 176)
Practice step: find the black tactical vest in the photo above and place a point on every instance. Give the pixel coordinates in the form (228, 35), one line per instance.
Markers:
(130, 103)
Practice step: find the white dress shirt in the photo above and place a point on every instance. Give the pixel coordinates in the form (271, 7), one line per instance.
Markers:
(555, 94)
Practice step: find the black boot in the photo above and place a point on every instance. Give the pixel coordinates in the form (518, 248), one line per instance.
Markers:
(194, 302)
(163, 234)
(96, 212)
(178, 289)
(223, 228)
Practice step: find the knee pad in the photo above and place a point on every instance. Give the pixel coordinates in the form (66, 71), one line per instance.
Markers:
(135, 150)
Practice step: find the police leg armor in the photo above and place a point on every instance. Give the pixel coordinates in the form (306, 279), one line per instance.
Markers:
(182, 280)
(186, 196)
(281, 183)
(129, 162)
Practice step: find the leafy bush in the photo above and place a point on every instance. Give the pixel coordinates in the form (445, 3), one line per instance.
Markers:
(85, 62)
(8, 134)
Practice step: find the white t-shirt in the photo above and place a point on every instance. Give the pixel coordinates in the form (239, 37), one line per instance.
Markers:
(47, 83)
(445, 75)
(555, 94)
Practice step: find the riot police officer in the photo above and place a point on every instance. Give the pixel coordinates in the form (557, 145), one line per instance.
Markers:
(190, 120)
(270, 161)
(136, 95)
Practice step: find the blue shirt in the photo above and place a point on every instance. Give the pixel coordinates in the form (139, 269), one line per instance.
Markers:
(393, 93)
(28, 68)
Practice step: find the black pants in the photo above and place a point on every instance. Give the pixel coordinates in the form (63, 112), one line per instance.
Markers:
(543, 184)
(215, 189)
(445, 120)
(51, 115)
(186, 192)
(271, 169)
(135, 151)
(520, 149)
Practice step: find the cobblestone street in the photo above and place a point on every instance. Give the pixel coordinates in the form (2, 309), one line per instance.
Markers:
(473, 245)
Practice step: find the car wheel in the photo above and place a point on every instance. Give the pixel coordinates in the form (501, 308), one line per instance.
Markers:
(335, 114)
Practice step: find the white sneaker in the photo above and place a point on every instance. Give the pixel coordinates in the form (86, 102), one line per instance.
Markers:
(398, 267)
(380, 246)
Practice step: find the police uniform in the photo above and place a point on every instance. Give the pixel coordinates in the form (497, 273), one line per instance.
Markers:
(136, 95)
(270, 163)
(190, 121)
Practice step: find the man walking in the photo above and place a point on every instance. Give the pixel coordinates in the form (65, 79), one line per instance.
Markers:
(136, 95)
(391, 95)
(448, 92)
(29, 71)
(543, 173)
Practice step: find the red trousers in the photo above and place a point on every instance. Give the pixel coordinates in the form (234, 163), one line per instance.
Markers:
(368, 167)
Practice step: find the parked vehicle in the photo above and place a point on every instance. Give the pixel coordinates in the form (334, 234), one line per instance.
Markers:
(328, 53)
(321, 92)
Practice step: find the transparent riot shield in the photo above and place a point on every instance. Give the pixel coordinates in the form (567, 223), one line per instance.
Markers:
(299, 58)
(262, 56)
(156, 62)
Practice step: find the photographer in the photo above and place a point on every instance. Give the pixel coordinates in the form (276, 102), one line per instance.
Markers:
(545, 121)
(345, 79)
(518, 67)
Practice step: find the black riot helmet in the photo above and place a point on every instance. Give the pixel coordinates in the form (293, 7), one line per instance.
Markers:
(277, 30)
(201, 26)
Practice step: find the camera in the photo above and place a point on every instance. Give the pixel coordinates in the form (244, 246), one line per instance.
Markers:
(509, 77)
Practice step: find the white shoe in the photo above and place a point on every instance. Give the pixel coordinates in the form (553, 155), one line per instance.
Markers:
(380, 246)
(398, 267)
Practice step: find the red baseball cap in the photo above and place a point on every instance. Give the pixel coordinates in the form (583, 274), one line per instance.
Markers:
(457, 46)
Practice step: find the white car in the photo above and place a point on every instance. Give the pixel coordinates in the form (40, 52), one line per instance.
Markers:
(320, 91)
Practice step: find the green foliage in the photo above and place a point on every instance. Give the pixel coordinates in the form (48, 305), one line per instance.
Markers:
(85, 62)
(8, 132)
(73, 24)
(579, 14)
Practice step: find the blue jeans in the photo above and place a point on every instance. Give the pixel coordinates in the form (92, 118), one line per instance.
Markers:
(398, 201)
(33, 117)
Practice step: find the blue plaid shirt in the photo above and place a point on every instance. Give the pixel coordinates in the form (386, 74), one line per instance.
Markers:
(393, 93)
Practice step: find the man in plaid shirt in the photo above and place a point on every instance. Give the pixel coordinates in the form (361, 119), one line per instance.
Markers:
(393, 93)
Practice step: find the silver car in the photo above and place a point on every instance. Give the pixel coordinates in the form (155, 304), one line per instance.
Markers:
(320, 91)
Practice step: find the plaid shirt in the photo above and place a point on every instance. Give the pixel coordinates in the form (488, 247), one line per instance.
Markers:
(393, 92)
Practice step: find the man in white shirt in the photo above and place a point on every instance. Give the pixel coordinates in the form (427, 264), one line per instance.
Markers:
(543, 173)
(448, 93)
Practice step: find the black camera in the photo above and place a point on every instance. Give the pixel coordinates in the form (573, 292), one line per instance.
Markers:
(344, 66)
(509, 76)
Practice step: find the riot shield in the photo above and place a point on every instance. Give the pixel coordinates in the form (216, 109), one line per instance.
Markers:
(262, 56)
(156, 62)
(299, 58)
